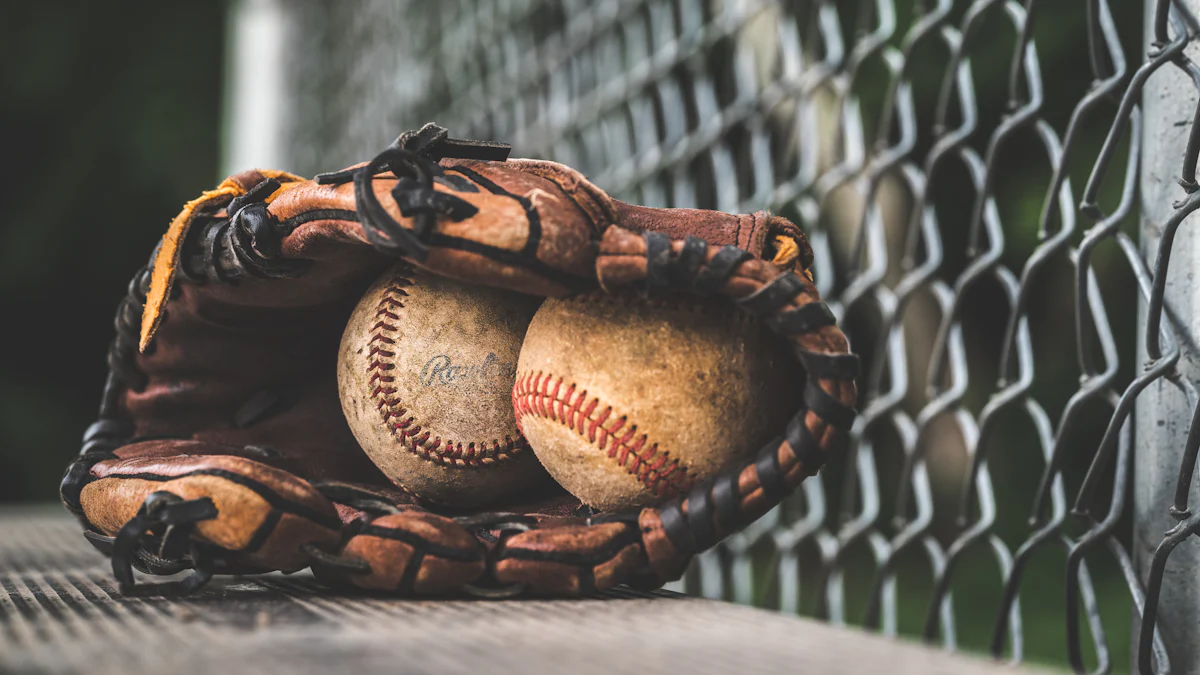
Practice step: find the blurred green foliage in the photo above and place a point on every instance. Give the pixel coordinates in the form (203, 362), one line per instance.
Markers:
(109, 117)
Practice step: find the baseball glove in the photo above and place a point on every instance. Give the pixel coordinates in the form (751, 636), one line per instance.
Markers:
(221, 446)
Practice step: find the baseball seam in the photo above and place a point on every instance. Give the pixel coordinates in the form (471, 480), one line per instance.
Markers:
(395, 415)
(544, 396)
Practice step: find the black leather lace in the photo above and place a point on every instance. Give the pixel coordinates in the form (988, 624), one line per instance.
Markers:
(413, 159)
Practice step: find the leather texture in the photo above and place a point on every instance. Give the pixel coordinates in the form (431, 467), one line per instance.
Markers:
(222, 446)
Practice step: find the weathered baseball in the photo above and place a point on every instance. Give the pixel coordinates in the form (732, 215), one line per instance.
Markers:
(425, 374)
(627, 401)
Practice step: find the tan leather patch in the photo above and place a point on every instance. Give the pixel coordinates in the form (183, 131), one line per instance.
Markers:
(388, 559)
(595, 545)
(543, 576)
(282, 547)
(591, 200)
(439, 575)
(617, 570)
(280, 482)
(111, 502)
(581, 539)
(434, 528)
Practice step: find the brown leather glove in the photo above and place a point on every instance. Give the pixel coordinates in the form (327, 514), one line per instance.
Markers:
(221, 445)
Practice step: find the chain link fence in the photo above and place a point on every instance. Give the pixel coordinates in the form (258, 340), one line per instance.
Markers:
(969, 174)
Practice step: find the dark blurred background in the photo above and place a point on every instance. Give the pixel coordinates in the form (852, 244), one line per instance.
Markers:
(110, 122)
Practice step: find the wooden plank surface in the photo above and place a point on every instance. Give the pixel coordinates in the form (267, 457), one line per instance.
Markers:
(60, 612)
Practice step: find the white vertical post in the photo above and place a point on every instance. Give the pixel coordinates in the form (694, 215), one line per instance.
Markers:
(1163, 413)
(255, 87)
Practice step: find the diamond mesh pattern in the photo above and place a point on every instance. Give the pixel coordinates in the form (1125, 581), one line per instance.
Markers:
(968, 174)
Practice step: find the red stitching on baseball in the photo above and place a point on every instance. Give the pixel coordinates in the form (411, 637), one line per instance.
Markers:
(395, 416)
(660, 473)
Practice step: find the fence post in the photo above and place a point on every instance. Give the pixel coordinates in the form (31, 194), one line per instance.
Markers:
(255, 87)
(1163, 414)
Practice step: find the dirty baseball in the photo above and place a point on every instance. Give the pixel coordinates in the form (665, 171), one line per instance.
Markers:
(627, 401)
(425, 374)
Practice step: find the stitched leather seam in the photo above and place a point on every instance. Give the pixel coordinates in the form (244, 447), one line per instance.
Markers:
(392, 409)
(545, 396)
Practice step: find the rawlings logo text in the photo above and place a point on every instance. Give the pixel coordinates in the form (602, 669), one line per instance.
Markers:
(440, 370)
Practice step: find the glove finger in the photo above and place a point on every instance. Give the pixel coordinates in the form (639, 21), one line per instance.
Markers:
(571, 559)
(413, 553)
(265, 516)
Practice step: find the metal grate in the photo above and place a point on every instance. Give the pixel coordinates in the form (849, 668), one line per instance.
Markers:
(61, 612)
(969, 176)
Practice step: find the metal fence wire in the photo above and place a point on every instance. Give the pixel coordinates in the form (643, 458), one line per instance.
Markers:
(968, 173)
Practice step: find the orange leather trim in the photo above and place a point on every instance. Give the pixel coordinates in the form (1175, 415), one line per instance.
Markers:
(162, 277)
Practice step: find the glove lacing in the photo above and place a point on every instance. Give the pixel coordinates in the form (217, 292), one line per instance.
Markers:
(413, 158)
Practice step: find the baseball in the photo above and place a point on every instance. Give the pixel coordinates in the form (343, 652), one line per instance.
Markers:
(627, 401)
(425, 376)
